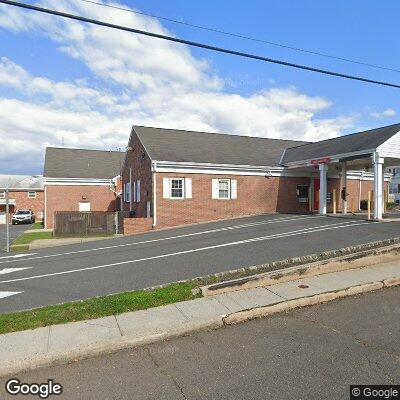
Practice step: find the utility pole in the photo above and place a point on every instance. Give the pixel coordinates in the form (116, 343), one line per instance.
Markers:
(7, 219)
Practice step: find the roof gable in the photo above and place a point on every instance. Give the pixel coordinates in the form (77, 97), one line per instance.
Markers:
(15, 182)
(211, 148)
(356, 142)
(79, 163)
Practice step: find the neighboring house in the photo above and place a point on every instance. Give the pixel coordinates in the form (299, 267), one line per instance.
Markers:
(395, 183)
(81, 180)
(25, 192)
(175, 177)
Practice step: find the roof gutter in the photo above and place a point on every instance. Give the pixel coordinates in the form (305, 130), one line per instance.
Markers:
(334, 158)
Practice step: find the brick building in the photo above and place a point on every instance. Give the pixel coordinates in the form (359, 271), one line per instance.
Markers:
(174, 177)
(81, 180)
(395, 183)
(25, 192)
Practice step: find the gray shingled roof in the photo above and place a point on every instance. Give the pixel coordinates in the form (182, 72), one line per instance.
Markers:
(13, 182)
(202, 147)
(344, 144)
(78, 163)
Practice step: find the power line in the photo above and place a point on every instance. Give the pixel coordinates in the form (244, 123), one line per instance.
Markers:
(285, 46)
(196, 44)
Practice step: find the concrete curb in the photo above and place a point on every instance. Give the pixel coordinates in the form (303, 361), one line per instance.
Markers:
(100, 348)
(293, 268)
(247, 315)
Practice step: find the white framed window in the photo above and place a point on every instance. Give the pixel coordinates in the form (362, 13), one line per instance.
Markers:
(127, 192)
(177, 188)
(2, 195)
(224, 189)
(31, 195)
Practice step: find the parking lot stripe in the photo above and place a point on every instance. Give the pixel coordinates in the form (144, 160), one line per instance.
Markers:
(9, 270)
(239, 242)
(227, 228)
(18, 255)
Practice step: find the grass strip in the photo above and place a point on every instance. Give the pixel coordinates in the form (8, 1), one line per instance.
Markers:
(37, 225)
(97, 307)
(28, 237)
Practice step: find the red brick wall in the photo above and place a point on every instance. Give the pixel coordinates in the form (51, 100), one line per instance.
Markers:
(67, 198)
(353, 190)
(22, 201)
(255, 195)
(140, 162)
(137, 225)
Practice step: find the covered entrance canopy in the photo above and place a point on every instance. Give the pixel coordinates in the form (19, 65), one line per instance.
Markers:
(372, 150)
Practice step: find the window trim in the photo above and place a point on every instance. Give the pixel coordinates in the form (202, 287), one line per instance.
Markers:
(2, 195)
(183, 189)
(30, 197)
(229, 189)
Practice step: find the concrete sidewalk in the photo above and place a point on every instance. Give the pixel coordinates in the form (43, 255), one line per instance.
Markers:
(62, 343)
(55, 242)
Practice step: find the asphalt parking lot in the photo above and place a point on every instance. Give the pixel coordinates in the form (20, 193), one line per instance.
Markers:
(77, 272)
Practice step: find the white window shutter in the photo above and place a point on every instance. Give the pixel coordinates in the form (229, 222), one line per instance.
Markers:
(188, 188)
(138, 191)
(166, 188)
(233, 189)
(215, 189)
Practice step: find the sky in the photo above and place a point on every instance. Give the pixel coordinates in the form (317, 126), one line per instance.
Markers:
(65, 83)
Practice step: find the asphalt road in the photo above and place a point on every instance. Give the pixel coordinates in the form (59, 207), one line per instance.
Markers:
(15, 231)
(81, 271)
(312, 354)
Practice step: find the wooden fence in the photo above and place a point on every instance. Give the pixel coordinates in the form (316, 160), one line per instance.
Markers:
(75, 223)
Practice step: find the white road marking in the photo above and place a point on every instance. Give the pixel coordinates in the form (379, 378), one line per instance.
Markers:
(250, 224)
(7, 294)
(262, 238)
(18, 255)
(9, 270)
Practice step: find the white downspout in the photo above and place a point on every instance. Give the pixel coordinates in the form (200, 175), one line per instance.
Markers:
(114, 191)
(45, 204)
(154, 195)
(130, 189)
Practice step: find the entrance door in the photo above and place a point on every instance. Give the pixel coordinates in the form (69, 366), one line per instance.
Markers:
(316, 194)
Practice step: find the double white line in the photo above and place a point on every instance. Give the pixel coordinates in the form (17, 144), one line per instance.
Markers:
(239, 242)
(228, 228)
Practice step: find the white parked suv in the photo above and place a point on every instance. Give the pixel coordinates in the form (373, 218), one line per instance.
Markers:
(23, 217)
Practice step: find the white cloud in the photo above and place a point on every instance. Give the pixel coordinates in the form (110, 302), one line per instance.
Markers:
(384, 114)
(154, 83)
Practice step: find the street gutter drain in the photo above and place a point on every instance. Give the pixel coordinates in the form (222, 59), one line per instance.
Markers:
(303, 286)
